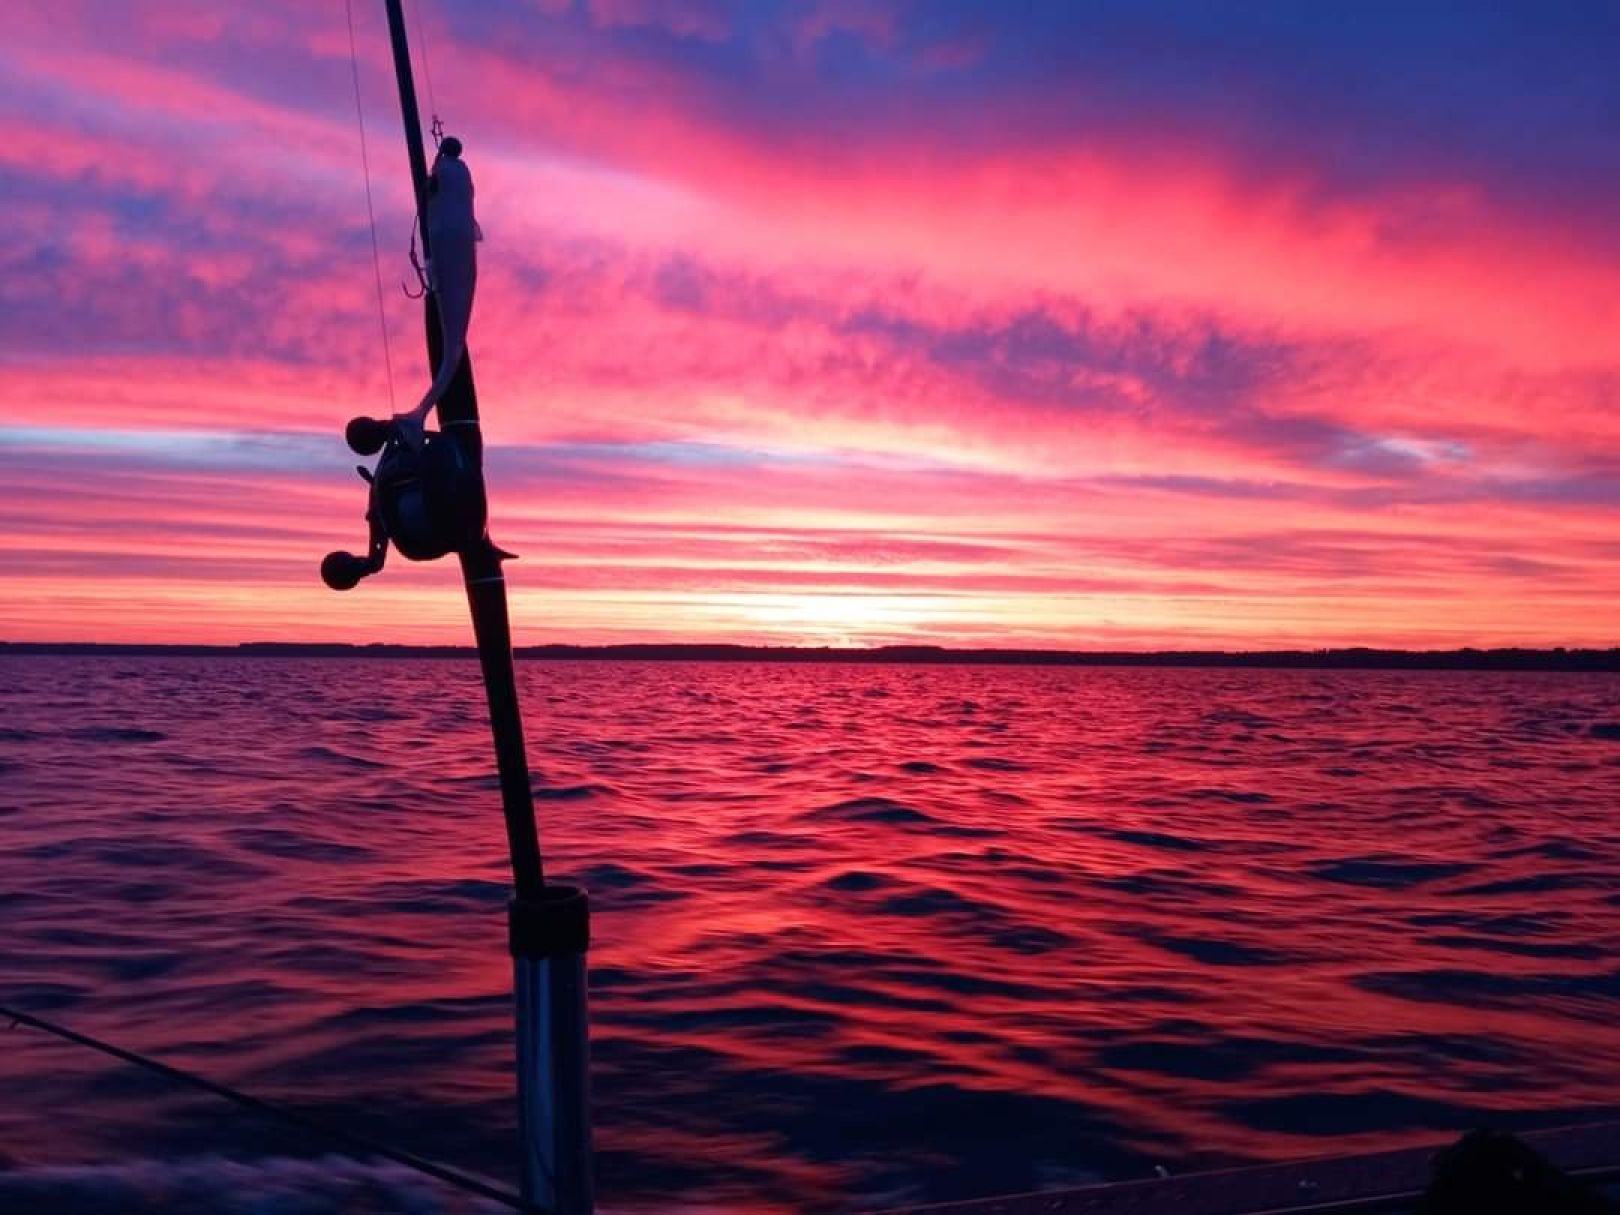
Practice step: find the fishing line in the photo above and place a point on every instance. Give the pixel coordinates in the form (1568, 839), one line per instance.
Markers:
(323, 1129)
(371, 213)
(437, 127)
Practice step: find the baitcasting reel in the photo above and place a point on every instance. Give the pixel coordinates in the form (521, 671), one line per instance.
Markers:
(429, 500)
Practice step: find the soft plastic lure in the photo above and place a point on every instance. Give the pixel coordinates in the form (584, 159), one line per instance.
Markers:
(453, 237)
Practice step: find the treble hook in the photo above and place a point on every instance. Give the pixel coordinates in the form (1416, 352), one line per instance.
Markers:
(421, 274)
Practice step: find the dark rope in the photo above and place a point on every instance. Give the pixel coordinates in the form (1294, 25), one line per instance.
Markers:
(440, 1172)
(1401, 1201)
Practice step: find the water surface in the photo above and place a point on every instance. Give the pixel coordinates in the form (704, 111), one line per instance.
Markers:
(863, 935)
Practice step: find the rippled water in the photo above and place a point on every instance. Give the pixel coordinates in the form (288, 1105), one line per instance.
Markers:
(863, 935)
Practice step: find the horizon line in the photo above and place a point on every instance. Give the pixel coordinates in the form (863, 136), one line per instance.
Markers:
(1555, 658)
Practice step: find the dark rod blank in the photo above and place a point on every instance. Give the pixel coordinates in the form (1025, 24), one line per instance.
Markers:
(480, 561)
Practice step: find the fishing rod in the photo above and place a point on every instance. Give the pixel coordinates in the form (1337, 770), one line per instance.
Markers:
(427, 498)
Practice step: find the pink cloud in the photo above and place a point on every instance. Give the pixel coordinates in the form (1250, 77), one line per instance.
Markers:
(703, 19)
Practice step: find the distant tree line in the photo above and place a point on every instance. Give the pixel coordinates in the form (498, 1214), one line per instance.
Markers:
(1356, 657)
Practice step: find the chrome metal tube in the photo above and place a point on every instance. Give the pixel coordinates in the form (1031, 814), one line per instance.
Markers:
(553, 1056)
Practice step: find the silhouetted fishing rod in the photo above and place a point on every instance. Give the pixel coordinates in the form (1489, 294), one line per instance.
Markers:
(319, 1127)
(428, 500)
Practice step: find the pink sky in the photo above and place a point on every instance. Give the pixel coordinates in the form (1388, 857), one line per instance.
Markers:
(811, 322)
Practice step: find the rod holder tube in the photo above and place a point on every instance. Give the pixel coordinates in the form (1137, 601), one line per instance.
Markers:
(550, 935)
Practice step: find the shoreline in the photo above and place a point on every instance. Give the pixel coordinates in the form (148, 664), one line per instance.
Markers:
(1352, 658)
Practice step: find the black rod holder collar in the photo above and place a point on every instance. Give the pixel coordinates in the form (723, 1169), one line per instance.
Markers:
(552, 922)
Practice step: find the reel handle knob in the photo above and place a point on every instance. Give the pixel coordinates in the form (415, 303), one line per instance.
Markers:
(366, 436)
(342, 571)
